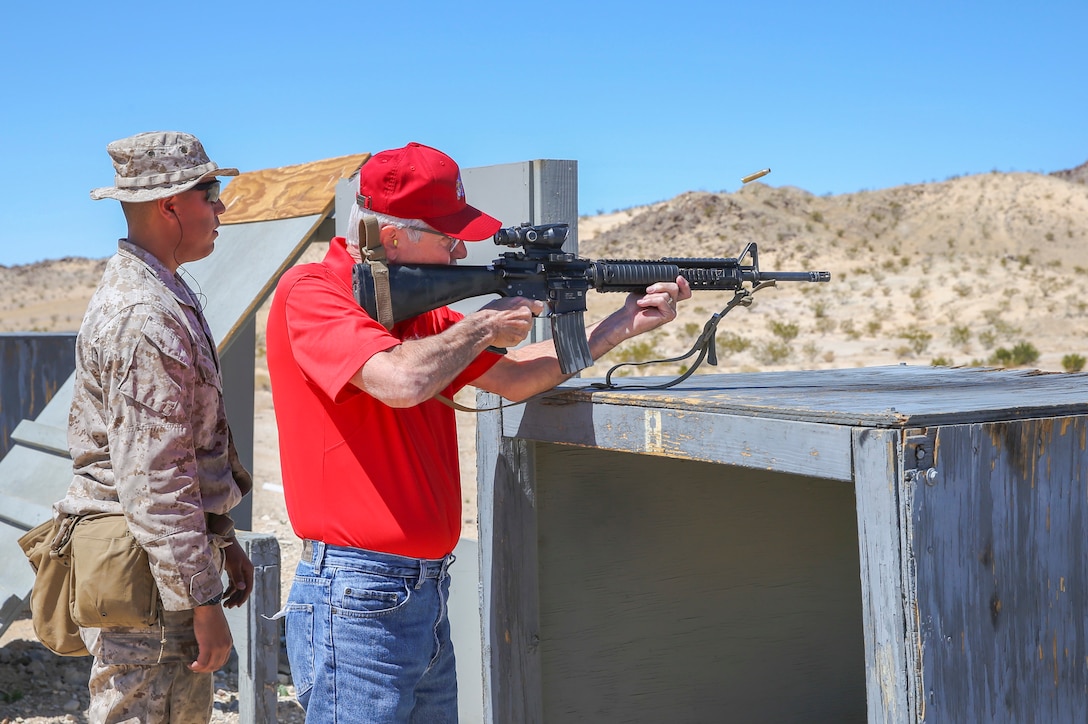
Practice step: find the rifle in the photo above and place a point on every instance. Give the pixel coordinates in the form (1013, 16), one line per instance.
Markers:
(542, 270)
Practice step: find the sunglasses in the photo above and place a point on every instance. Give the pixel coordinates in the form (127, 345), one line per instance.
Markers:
(211, 188)
(451, 243)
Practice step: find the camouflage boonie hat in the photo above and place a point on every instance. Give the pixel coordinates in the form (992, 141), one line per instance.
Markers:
(158, 164)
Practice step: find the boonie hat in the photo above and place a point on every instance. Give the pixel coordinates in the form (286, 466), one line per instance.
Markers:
(157, 164)
(420, 182)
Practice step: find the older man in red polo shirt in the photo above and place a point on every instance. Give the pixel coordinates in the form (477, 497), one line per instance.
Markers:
(369, 456)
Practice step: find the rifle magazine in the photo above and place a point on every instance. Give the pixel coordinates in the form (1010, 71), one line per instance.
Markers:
(569, 337)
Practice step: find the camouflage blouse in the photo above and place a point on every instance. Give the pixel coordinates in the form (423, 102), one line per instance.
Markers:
(147, 430)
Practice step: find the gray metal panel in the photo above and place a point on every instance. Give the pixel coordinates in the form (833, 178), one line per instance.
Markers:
(898, 396)
(256, 634)
(466, 629)
(538, 192)
(237, 365)
(239, 275)
(1000, 542)
(32, 367)
(30, 481)
(55, 413)
(34, 476)
(38, 436)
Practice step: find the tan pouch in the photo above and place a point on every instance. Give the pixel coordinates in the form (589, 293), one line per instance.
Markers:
(49, 610)
(111, 576)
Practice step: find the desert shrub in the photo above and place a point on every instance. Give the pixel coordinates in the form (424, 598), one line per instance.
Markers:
(987, 338)
(917, 338)
(941, 362)
(784, 330)
(960, 335)
(730, 342)
(772, 352)
(1024, 353)
(637, 351)
(1073, 362)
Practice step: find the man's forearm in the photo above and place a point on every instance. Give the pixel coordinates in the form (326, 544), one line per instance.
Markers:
(418, 369)
(534, 368)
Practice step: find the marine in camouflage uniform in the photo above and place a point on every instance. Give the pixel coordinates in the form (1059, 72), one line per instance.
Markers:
(148, 437)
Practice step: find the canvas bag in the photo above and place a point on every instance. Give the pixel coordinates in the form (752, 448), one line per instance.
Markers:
(89, 572)
(47, 546)
(111, 576)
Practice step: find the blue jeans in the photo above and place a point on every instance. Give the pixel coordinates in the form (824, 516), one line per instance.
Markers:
(368, 637)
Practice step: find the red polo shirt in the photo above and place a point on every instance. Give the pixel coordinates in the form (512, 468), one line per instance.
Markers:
(357, 472)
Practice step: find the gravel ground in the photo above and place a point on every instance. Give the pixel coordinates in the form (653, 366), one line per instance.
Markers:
(37, 686)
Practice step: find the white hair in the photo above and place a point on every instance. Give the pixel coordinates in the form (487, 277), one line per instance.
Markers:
(411, 227)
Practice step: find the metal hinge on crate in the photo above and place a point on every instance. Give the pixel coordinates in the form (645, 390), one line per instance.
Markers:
(920, 455)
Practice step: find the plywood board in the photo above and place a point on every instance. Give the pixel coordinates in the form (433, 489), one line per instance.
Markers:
(286, 192)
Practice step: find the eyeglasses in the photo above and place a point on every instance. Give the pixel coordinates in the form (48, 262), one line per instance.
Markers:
(451, 243)
(211, 188)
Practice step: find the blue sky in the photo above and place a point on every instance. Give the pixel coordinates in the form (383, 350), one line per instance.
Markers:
(651, 99)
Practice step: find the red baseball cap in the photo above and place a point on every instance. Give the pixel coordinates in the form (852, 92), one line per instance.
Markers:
(420, 182)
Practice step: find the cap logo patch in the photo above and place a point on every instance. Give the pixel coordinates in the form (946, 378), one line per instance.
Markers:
(460, 188)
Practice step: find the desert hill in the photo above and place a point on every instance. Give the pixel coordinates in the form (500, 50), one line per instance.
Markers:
(1078, 175)
(952, 272)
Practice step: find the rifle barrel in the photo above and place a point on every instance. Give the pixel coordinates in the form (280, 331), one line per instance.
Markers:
(801, 276)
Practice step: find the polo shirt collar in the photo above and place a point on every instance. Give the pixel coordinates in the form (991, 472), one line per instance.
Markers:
(339, 260)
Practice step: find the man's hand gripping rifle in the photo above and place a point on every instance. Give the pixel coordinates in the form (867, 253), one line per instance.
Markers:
(542, 270)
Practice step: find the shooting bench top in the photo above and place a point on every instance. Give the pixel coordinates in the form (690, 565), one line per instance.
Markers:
(894, 396)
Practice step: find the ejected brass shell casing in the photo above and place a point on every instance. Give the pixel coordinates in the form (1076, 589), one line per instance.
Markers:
(754, 176)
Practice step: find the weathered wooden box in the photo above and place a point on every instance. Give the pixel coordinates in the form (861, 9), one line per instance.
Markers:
(900, 544)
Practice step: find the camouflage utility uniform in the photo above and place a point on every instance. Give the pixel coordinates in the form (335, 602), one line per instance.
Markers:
(148, 436)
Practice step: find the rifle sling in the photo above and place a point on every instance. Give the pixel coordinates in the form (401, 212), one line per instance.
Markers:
(374, 255)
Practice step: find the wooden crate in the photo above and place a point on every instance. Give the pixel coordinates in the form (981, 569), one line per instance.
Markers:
(902, 544)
